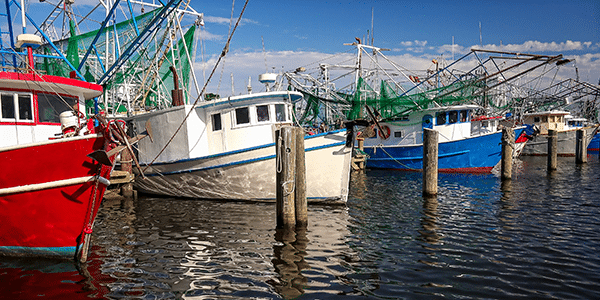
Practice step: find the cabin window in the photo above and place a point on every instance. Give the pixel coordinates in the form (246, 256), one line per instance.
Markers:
(216, 122)
(262, 112)
(452, 117)
(464, 115)
(398, 134)
(440, 118)
(545, 119)
(23, 111)
(51, 105)
(25, 108)
(280, 112)
(242, 116)
(536, 119)
(8, 106)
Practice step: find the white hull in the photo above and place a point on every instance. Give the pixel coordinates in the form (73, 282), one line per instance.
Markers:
(250, 174)
(565, 143)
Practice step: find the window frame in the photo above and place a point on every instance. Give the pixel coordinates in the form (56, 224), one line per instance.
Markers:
(437, 118)
(453, 117)
(236, 119)
(463, 113)
(75, 99)
(16, 107)
(284, 110)
(213, 121)
(268, 115)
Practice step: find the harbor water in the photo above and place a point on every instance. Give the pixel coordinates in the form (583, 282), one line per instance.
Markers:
(534, 237)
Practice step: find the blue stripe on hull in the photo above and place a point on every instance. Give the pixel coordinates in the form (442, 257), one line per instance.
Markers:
(472, 153)
(58, 252)
(594, 144)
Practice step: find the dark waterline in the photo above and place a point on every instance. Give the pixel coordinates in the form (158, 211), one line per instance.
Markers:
(534, 237)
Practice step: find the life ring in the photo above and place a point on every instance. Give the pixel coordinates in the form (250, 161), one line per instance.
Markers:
(387, 129)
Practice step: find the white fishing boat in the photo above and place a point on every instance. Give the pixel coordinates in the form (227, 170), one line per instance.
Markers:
(225, 149)
(540, 122)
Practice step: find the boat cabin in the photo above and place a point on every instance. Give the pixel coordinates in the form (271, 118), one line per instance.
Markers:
(574, 122)
(217, 126)
(554, 120)
(452, 123)
(31, 104)
(485, 124)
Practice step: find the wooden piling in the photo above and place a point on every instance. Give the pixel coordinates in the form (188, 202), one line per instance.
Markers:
(552, 150)
(508, 144)
(580, 147)
(430, 162)
(285, 143)
(360, 158)
(300, 191)
(126, 166)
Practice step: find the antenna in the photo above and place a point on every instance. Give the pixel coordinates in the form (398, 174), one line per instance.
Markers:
(452, 48)
(372, 16)
(480, 38)
(232, 86)
(264, 54)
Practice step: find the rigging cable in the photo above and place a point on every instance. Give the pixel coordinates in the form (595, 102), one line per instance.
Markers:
(223, 53)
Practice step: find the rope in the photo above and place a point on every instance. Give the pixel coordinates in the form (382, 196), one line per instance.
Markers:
(382, 149)
(285, 190)
(87, 230)
(226, 49)
(278, 156)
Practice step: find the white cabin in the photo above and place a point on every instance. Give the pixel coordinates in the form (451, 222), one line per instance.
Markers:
(546, 120)
(216, 126)
(30, 105)
(452, 123)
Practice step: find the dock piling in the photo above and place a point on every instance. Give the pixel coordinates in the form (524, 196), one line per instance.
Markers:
(287, 170)
(127, 166)
(581, 147)
(358, 160)
(552, 149)
(508, 141)
(430, 162)
(300, 179)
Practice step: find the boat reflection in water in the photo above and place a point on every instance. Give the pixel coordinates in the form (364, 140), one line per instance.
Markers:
(478, 238)
(161, 247)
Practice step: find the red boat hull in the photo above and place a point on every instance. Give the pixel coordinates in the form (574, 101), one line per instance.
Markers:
(49, 196)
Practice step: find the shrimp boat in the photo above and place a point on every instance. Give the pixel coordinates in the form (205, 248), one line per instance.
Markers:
(226, 149)
(55, 163)
(566, 126)
(50, 190)
(461, 149)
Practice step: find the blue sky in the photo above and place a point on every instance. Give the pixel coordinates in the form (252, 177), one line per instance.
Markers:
(325, 25)
(300, 33)
(294, 32)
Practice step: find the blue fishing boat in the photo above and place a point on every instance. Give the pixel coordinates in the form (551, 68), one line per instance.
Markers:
(594, 145)
(462, 146)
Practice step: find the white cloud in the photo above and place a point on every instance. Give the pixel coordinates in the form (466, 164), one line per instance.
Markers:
(207, 36)
(413, 43)
(217, 20)
(227, 21)
(532, 47)
(250, 64)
